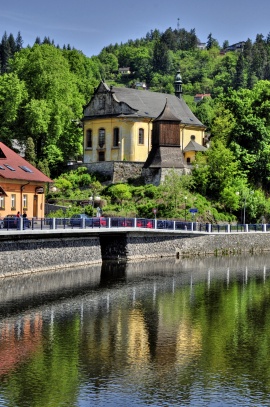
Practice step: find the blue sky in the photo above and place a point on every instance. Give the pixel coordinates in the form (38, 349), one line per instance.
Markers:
(89, 25)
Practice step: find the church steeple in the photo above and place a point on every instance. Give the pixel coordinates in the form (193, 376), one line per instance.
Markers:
(178, 85)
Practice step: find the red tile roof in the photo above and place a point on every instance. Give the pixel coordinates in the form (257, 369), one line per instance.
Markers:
(13, 166)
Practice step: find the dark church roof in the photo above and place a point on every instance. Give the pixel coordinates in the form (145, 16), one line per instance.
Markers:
(165, 157)
(167, 115)
(150, 104)
(193, 146)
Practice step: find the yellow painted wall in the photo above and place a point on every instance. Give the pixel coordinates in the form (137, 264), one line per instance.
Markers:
(14, 188)
(186, 133)
(129, 148)
(191, 155)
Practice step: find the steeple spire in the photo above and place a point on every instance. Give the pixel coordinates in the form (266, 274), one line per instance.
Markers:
(178, 85)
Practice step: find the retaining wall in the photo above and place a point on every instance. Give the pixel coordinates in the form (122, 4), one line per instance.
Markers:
(43, 254)
(26, 253)
(142, 245)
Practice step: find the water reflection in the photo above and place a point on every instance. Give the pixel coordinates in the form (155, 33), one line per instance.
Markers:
(184, 333)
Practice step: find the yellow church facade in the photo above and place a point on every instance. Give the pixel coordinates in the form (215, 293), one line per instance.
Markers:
(118, 124)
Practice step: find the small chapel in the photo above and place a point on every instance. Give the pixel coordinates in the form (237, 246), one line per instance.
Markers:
(151, 131)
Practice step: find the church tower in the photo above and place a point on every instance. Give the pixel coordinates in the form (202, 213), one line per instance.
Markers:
(165, 153)
(178, 85)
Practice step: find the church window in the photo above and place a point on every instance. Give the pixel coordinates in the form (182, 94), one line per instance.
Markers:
(101, 156)
(141, 136)
(116, 137)
(101, 138)
(89, 138)
(192, 137)
(188, 160)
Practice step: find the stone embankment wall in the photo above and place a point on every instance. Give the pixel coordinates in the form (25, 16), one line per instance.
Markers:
(142, 245)
(42, 254)
(31, 253)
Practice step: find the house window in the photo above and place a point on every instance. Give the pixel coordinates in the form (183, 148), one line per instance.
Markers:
(13, 201)
(141, 136)
(2, 202)
(192, 138)
(89, 138)
(101, 138)
(116, 137)
(101, 156)
(25, 201)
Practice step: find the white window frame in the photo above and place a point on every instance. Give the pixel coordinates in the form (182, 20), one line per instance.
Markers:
(13, 201)
(25, 201)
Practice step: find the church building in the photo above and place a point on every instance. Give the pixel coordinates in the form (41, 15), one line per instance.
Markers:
(118, 124)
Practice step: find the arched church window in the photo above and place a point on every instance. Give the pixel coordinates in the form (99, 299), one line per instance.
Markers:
(89, 138)
(116, 137)
(141, 136)
(192, 138)
(101, 138)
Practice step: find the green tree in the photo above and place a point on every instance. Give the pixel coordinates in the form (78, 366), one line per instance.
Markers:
(211, 42)
(161, 60)
(30, 154)
(12, 97)
(120, 192)
(54, 101)
(5, 53)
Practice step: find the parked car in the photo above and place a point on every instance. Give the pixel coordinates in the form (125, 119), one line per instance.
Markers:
(145, 223)
(78, 219)
(122, 222)
(99, 222)
(13, 222)
(164, 224)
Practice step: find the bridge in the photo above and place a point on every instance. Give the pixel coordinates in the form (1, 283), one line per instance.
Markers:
(125, 224)
(57, 244)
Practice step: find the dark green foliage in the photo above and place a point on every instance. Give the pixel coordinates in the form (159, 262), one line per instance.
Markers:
(43, 90)
(30, 154)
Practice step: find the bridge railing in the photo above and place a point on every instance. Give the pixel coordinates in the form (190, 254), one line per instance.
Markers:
(128, 222)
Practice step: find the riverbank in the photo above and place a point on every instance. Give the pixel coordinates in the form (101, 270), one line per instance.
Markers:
(32, 252)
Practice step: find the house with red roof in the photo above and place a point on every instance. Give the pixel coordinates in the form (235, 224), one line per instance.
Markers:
(22, 186)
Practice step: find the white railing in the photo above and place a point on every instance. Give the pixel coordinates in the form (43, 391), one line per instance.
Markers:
(119, 222)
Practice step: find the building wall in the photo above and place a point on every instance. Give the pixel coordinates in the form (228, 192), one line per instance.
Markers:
(190, 156)
(129, 148)
(23, 193)
(187, 131)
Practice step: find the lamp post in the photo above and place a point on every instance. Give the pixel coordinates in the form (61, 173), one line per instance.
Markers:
(245, 195)
(185, 208)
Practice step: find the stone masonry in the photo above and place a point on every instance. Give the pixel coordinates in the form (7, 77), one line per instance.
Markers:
(32, 253)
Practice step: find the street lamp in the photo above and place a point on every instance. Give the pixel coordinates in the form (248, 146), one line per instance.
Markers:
(185, 208)
(245, 195)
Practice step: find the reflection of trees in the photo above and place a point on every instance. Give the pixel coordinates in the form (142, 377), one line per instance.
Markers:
(149, 338)
(49, 376)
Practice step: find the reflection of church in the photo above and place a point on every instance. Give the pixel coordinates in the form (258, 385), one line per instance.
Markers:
(140, 128)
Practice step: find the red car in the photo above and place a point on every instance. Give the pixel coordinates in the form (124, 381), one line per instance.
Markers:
(145, 223)
(97, 222)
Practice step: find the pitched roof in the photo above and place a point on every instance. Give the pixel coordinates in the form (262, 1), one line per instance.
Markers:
(165, 157)
(193, 146)
(13, 166)
(167, 115)
(149, 104)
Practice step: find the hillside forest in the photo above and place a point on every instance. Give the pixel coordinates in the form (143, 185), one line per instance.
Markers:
(44, 87)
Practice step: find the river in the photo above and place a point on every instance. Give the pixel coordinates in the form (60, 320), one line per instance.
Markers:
(186, 332)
